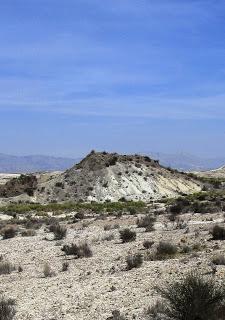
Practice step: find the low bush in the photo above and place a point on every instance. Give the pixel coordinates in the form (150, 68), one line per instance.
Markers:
(163, 251)
(116, 315)
(108, 227)
(65, 266)
(155, 311)
(79, 251)
(146, 222)
(20, 269)
(218, 233)
(193, 298)
(219, 260)
(166, 248)
(7, 309)
(6, 267)
(147, 244)
(9, 232)
(47, 270)
(127, 235)
(58, 230)
(28, 233)
(79, 216)
(108, 237)
(134, 261)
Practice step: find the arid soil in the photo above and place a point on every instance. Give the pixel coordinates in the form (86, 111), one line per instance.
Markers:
(93, 287)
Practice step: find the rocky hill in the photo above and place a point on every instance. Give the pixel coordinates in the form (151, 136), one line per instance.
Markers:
(102, 176)
(110, 176)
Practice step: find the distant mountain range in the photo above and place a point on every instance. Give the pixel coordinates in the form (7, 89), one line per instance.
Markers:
(187, 162)
(24, 164)
(36, 163)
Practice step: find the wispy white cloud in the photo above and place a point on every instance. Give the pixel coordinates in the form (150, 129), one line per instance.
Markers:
(126, 58)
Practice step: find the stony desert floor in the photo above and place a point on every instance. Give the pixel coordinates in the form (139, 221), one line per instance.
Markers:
(93, 287)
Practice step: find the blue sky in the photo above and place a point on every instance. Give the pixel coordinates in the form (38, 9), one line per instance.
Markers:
(122, 75)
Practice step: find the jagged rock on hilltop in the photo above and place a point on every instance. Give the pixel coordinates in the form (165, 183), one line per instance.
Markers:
(102, 176)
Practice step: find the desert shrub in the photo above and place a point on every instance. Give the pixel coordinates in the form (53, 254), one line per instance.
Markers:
(28, 233)
(146, 222)
(65, 266)
(186, 249)
(164, 250)
(58, 230)
(219, 259)
(132, 210)
(108, 237)
(6, 267)
(112, 161)
(147, 244)
(7, 309)
(155, 311)
(218, 233)
(180, 223)
(78, 216)
(134, 261)
(47, 270)
(59, 185)
(197, 246)
(9, 232)
(127, 235)
(80, 251)
(33, 223)
(20, 269)
(193, 298)
(116, 315)
(176, 209)
(107, 227)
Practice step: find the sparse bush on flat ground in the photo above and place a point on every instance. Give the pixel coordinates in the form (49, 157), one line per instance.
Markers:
(164, 250)
(108, 237)
(147, 244)
(65, 266)
(9, 232)
(155, 312)
(146, 222)
(58, 230)
(80, 251)
(127, 235)
(134, 261)
(116, 315)
(47, 270)
(7, 309)
(108, 227)
(6, 267)
(218, 233)
(28, 233)
(219, 259)
(193, 298)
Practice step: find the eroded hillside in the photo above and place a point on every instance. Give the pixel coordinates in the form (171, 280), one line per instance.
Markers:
(110, 177)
